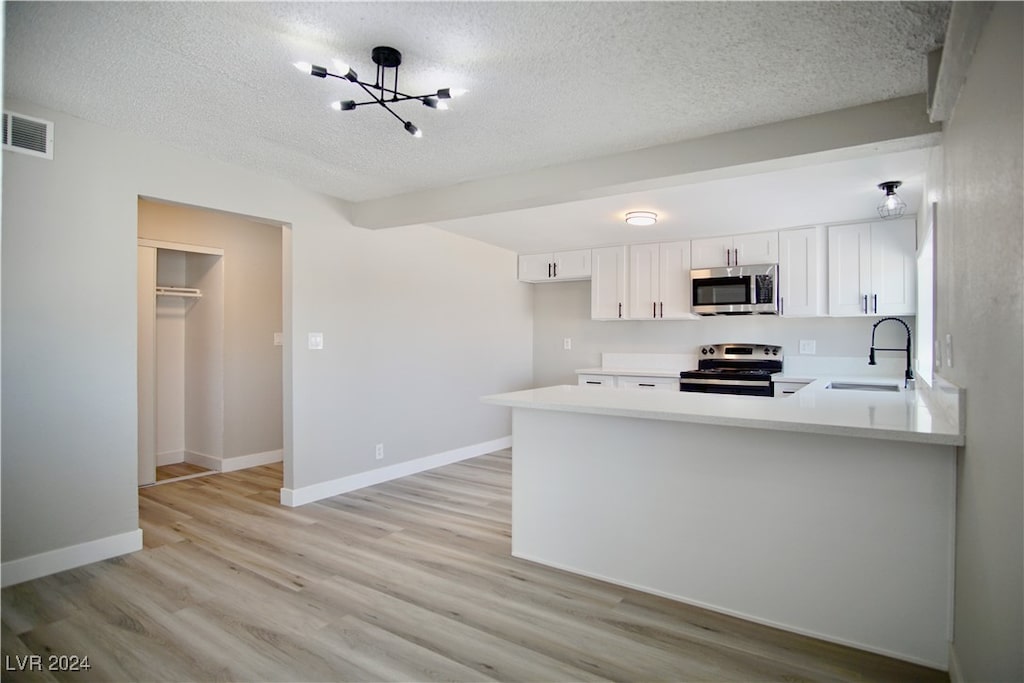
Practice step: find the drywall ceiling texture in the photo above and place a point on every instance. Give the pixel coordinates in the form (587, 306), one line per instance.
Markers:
(550, 83)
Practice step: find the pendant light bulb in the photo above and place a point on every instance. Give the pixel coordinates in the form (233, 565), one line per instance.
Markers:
(304, 67)
(413, 130)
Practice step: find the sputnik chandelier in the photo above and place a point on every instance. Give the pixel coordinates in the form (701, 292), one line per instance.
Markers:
(385, 58)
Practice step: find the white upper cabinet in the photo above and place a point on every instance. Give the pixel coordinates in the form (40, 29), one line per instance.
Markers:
(872, 268)
(659, 281)
(802, 272)
(556, 266)
(608, 284)
(738, 250)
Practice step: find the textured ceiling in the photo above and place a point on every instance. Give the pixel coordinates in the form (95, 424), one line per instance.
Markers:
(549, 83)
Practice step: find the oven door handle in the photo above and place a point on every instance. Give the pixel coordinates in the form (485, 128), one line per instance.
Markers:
(727, 382)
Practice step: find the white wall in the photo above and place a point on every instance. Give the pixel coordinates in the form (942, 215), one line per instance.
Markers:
(563, 310)
(418, 324)
(980, 302)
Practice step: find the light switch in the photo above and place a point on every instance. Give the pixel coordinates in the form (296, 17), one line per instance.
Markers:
(567, 343)
(316, 340)
(278, 340)
(808, 346)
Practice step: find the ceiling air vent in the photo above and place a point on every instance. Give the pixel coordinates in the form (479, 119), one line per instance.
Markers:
(28, 135)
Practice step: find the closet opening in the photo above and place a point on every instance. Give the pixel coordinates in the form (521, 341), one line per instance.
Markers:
(210, 347)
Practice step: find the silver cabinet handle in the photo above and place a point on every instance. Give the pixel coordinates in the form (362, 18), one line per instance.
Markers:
(620, 309)
(654, 309)
(728, 257)
(662, 304)
(549, 270)
(865, 304)
(875, 297)
(641, 384)
(590, 381)
(735, 257)
(782, 305)
(556, 269)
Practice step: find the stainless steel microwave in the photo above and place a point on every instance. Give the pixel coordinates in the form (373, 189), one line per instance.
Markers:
(739, 290)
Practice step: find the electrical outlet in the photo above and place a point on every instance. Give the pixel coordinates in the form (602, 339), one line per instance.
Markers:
(567, 343)
(380, 451)
(316, 340)
(278, 339)
(808, 346)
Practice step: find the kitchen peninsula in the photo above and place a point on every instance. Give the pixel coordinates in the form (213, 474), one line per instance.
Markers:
(828, 512)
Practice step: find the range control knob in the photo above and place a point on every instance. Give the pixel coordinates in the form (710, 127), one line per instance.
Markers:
(704, 350)
(766, 351)
(775, 351)
(711, 350)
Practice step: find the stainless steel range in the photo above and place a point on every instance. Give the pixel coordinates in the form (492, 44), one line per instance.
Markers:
(734, 369)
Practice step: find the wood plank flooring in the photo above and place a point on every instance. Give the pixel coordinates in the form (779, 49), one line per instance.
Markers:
(179, 469)
(411, 580)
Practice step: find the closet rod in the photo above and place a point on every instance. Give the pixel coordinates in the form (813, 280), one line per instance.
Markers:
(189, 292)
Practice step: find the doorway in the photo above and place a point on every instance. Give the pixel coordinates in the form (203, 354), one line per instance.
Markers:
(211, 341)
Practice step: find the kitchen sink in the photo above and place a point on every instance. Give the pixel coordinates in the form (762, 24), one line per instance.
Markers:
(857, 386)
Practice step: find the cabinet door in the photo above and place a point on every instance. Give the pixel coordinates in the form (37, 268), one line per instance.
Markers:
(762, 247)
(674, 281)
(535, 267)
(608, 284)
(849, 268)
(894, 268)
(801, 271)
(571, 265)
(643, 281)
(596, 380)
(713, 252)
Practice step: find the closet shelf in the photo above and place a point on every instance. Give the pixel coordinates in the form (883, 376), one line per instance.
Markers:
(187, 292)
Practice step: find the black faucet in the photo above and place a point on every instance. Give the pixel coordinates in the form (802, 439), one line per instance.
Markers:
(908, 375)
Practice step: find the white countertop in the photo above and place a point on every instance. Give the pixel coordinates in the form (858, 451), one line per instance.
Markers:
(895, 416)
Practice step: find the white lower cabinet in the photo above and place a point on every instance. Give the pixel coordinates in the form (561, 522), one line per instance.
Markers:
(647, 383)
(629, 382)
(596, 380)
(783, 389)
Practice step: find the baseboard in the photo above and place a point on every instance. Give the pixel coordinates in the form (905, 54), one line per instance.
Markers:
(238, 462)
(53, 561)
(241, 462)
(210, 462)
(955, 676)
(334, 487)
(170, 458)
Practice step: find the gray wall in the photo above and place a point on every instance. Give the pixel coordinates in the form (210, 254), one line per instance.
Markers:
(418, 324)
(563, 310)
(979, 287)
(252, 314)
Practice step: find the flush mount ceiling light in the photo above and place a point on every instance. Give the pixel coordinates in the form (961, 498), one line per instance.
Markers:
(892, 206)
(641, 218)
(385, 58)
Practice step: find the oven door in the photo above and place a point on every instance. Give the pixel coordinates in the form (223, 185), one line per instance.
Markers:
(742, 387)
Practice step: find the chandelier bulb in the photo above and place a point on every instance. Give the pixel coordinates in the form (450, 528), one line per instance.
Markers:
(305, 67)
(413, 130)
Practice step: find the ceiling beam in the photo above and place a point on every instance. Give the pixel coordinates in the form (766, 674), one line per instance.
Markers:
(892, 125)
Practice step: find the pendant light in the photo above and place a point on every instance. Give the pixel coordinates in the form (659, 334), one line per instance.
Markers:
(892, 206)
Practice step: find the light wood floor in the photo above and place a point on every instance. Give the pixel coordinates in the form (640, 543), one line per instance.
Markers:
(180, 469)
(405, 581)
